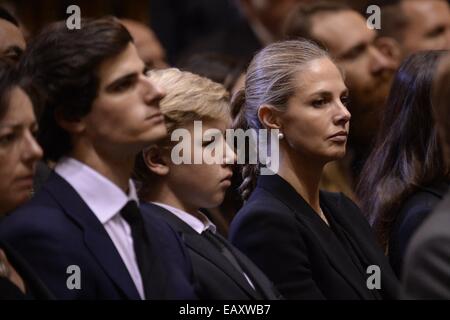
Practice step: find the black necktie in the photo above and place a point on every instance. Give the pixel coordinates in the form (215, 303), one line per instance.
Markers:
(219, 243)
(141, 245)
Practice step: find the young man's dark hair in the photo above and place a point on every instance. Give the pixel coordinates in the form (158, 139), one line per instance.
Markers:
(299, 23)
(70, 80)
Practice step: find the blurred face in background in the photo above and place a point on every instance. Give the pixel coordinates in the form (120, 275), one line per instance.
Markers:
(428, 26)
(12, 41)
(148, 46)
(271, 13)
(368, 73)
(19, 151)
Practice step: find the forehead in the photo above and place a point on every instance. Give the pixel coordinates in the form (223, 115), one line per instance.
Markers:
(20, 109)
(427, 13)
(340, 31)
(124, 63)
(10, 35)
(320, 75)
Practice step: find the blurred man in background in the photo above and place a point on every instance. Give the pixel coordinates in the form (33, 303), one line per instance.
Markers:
(147, 44)
(417, 24)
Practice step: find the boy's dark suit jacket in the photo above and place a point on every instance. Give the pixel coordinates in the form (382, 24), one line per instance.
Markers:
(34, 286)
(56, 229)
(304, 257)
(216, 277)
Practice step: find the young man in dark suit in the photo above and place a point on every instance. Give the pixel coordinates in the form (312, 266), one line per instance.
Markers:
(175, 191)
(83, 232)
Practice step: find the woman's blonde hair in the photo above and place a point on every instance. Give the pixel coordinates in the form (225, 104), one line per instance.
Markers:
(270, 80)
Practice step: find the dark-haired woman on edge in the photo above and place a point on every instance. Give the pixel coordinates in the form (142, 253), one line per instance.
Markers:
(311, 244)
(19, 153)
(405, 175)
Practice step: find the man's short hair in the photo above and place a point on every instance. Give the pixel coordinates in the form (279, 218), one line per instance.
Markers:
(393, 19)
(299, 22)
(63, 64)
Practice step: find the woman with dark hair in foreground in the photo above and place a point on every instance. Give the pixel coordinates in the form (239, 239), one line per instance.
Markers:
(405, 175)
(19, 153)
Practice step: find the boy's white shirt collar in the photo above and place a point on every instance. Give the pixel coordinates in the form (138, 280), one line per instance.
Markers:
(195, 223)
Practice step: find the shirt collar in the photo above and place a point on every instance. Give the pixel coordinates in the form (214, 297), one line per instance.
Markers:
(198, 225)
(101, 195)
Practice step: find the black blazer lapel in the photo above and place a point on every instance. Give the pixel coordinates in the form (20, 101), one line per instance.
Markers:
(201, 246)
(198, 244)
(363, 240)
(96, 238)
(258, 278)
(337, 256)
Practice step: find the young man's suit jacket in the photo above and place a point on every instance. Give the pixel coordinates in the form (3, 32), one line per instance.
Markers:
(56, 230)
(215, 276)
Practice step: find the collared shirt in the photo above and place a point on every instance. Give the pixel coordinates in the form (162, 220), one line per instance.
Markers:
(196, 224)
(105, 199)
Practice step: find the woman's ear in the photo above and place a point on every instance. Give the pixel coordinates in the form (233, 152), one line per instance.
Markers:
(155, 160)
(269, 117)
(73, 126)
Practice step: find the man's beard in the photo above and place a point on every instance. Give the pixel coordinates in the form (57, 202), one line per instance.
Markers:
(367, 106)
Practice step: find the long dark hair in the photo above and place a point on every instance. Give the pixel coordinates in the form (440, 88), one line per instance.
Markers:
(407, 153)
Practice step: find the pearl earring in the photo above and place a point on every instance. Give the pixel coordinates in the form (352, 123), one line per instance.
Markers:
(280, 136)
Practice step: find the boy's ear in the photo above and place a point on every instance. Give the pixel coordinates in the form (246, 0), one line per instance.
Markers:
(269, 117)
(155, 160)
(72, 126)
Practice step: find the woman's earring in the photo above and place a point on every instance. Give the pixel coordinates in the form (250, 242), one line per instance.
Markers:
(280, 136)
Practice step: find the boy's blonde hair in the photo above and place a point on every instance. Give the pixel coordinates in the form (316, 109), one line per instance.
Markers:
(190, 97)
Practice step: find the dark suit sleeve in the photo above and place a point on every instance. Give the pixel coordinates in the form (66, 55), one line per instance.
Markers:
(400, 239)
(274, 243)
(426, 273)
(36, 245)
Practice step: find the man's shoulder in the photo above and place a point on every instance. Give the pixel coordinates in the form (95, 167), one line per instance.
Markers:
(436, 226)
